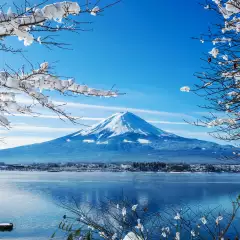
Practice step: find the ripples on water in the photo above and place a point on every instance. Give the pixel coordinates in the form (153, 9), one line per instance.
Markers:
(30, 199)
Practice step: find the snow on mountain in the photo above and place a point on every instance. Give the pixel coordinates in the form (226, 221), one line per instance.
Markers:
(143, 141)
(88, 141)
(122, 124)
(121, 137)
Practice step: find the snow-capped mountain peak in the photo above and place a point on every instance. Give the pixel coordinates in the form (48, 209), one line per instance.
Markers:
(121, 137)
(121, 124)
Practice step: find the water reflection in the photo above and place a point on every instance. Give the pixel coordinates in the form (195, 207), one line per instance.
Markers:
(31, 200)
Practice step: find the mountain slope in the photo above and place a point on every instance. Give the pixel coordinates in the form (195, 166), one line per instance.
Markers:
(122, 123)
(121, 137)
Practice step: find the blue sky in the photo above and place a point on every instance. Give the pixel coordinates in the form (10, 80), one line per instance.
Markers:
(142, 47)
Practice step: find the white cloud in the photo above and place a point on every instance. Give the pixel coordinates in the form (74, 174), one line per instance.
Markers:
(77, 105)
(189, 134)
(14, 141)
(219, 114)
(122, 109)
(197, 135)
(167, 122)
(55, 117)
(32, 128)
(96, 119)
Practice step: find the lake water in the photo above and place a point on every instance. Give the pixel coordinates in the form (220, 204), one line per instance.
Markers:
(31, 199)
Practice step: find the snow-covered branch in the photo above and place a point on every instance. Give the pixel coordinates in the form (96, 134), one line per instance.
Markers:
(219, 81)
(38, 23)
(34, 84)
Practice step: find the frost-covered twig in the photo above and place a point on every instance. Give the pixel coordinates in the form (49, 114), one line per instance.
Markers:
(34, 84)
(28, 22)
(219, 80)
(115, 220)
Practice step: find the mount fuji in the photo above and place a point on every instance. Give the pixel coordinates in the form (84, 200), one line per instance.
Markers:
(123, 137)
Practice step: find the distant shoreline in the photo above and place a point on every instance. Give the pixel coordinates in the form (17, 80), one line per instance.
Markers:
(123, 167)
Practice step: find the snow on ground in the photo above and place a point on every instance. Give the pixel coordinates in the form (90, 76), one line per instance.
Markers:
(105, 142)
(143, 141)
(88, 141)
(127, 141)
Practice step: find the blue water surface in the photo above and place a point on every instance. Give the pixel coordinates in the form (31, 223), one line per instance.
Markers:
(31, 199)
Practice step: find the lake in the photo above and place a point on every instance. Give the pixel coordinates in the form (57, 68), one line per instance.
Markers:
(31, 199)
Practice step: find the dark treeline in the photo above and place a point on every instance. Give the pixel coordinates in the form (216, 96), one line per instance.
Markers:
(120, 167)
